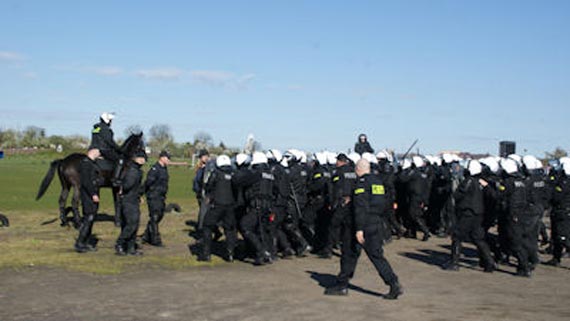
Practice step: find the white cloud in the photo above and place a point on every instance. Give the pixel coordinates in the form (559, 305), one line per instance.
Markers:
(11, 56)
(98, 70)
(30, 75)
(222, 78)
(160, 73)
(107, 70)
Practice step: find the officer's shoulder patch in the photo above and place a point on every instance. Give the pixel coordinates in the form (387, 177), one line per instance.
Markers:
(502, 188)
(96, 129)
(318, 175)
(358, 191)
(558, 189)
(227, 177)
(336, 178)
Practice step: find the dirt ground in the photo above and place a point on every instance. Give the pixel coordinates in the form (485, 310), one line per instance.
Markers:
(291, 290)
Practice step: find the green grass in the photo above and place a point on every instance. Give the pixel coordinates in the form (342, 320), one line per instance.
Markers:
(35, 238)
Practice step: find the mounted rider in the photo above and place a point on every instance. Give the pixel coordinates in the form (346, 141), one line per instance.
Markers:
(102, 139)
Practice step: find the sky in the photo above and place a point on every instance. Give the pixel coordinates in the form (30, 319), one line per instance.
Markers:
(457, 75)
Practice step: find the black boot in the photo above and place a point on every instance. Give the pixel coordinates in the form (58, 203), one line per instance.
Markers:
(116, 179)
(337, 290)
(120, 250)
(395, 291)
(453, 263)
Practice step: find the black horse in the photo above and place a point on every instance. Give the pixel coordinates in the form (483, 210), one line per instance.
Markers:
(68, 172)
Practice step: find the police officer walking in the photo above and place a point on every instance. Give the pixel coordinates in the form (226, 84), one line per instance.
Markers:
(220, 192)
(369, 206)
(131, 193)
(155, 188)
(89, 193)
(470, 210)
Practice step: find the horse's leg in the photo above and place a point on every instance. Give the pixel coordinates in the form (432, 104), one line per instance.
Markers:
(117, 202)
(62, 201)
(75, 206)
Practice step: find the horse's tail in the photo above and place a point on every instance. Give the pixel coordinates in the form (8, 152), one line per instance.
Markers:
(48, 178)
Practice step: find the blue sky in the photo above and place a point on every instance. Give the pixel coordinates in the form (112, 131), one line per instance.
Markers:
(459, 75)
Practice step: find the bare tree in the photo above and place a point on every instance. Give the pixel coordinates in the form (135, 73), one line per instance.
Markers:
(556, 154)
(203, 138)
(160, 136)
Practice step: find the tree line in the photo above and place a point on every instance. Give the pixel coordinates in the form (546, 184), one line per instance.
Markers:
(157, 138)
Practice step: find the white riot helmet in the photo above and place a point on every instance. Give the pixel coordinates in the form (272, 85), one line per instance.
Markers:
(223, 160)
(448, 158)
(274, 154)
(509, 165)
(107, 117)
(474, 167)
(382, 155)
(370, 158)
(407, 163)
(566, 168)
(516, 158)
(331, 158)
(418, 161)
(321, 157)
(241, 159)
(492, 163)
(531, 162)
(354, 157)
(303, 156)
(284, 162)
(258, 158)
(564, 160)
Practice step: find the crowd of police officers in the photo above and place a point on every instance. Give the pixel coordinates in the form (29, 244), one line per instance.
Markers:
(291, 204)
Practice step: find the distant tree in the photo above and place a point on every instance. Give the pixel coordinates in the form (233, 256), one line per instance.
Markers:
(160, 137)
(204, 138)
(556, 154)
(9, 138)
(34, 136)
(222, 146)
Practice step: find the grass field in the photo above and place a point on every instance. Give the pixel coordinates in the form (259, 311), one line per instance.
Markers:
(35, 238)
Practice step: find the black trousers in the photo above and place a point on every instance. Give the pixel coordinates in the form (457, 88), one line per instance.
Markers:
(339, 216)
(131, 214)
(226, 216)
(89, 212)
(523, 243)
(372, 246)
(560, 234)
(469, 228)
(155, 213)
(256, 230)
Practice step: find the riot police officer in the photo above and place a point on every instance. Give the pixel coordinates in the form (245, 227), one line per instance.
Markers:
(131, 193)
(560, 215)
(343, 182)
(221, 209)
(258, 185)
(470, 209)
(369, 205)
(156, 188)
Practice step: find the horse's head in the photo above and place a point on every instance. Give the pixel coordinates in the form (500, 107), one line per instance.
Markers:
(132, 144)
